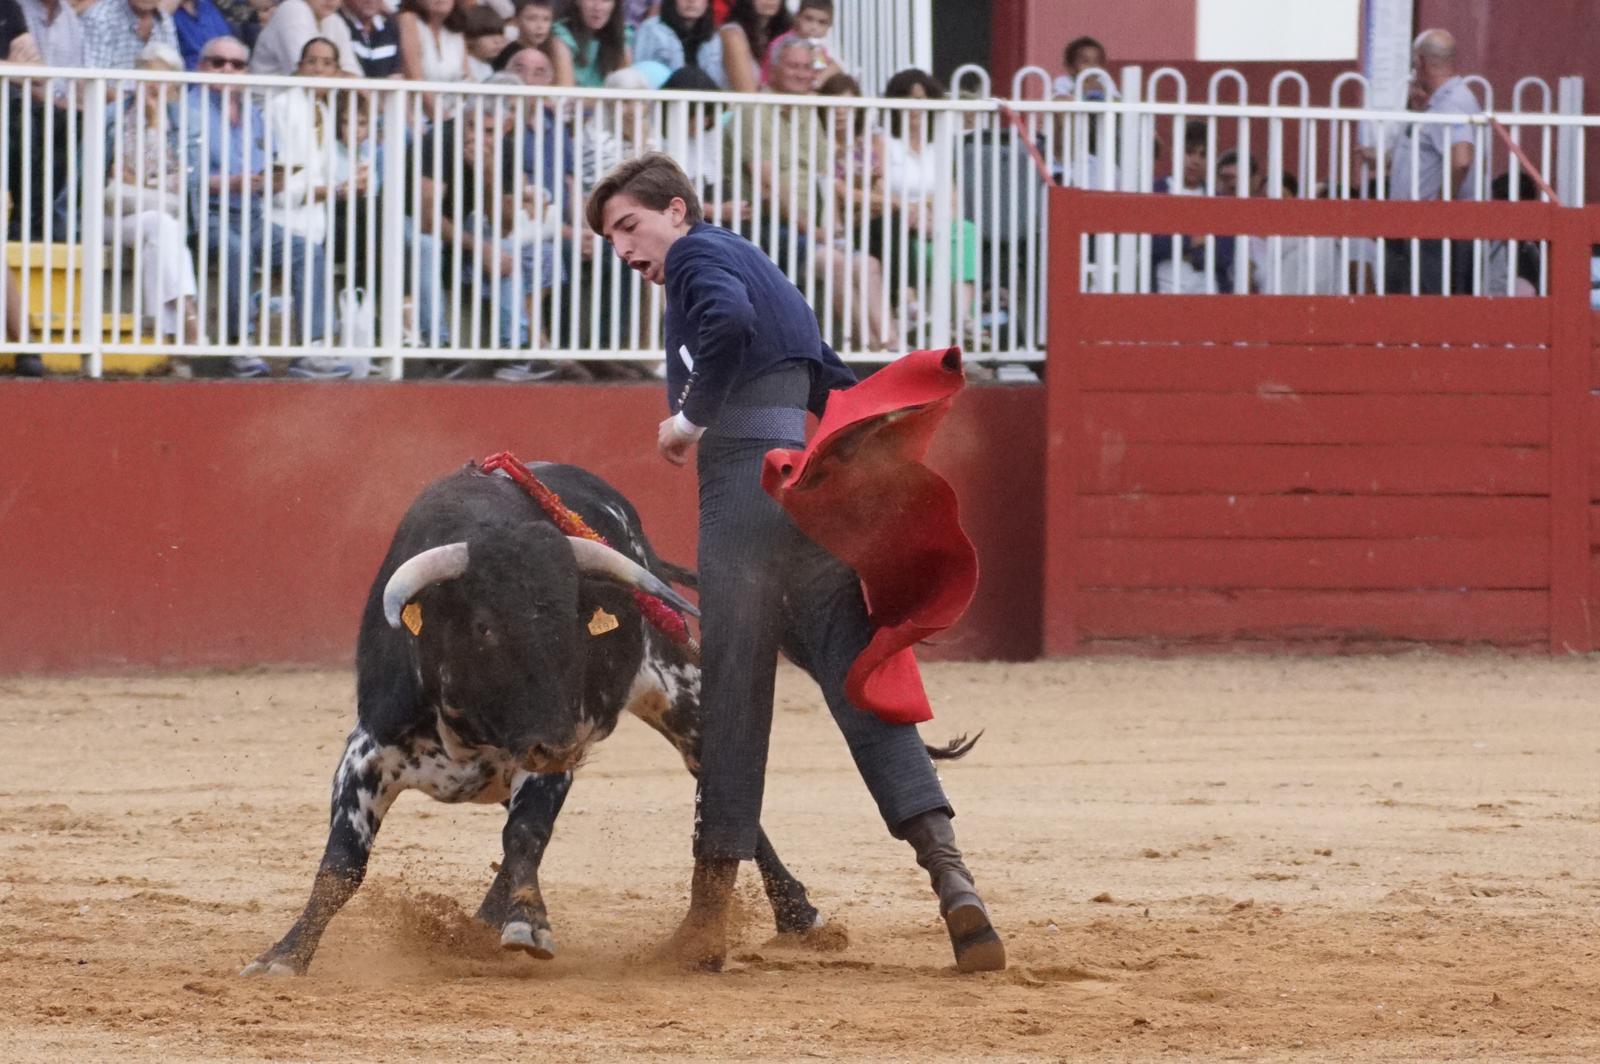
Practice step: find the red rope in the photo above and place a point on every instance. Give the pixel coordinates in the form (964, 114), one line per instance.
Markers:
(666, 619)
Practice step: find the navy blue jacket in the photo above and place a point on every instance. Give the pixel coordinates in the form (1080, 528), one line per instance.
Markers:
(737, 316)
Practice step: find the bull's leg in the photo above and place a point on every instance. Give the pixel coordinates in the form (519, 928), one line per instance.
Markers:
(496, 904)
(792, 911)
(360, 798)
(536, 800)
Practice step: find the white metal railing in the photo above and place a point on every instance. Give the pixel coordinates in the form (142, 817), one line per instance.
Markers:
(339, 217)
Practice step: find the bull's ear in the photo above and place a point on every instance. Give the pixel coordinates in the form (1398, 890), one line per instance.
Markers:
(432, 566)
(600, 560)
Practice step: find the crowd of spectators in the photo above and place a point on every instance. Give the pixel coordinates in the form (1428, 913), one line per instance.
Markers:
(247, 199)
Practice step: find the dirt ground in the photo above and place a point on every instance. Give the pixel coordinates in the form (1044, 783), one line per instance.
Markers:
(1201, 859)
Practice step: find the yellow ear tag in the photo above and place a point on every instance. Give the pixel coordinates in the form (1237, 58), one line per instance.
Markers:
(411, 617)
(602, 622)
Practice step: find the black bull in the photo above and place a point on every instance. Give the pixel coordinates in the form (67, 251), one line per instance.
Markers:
(493, 650)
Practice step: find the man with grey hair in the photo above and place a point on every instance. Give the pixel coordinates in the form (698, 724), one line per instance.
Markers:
(1426, 157)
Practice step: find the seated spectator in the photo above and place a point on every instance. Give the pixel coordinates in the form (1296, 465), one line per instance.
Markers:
(618, 130)
(812, 22)
(1082, 53)
(257, 14)
(116, 31)
(855, 193)
(144, 201)
(374, 37)
(1179, 261)
(485, 34)
(599, 40)
(301, 121)
(296, 22)
(57, 31)
(534, 20)
(228, 171)
(912, 181)
(431, 45)
(196, 22)
(695, 140)
(17, 46)
(751, 28)
(683, 35)
(790, 202)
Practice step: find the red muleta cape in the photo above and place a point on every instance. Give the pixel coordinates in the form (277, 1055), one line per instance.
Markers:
(860, 490)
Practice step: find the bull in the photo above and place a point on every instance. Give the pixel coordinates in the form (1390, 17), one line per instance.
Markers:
(493, 651)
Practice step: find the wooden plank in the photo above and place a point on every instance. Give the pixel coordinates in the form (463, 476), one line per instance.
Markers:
(1313, 516)
(1508, 617)
(1058, 626)
(1124, 212)
(1287, 417)
(1357, 370)
(1253, 469)
(1571, 435)
(1341, 320)
(1331, 564)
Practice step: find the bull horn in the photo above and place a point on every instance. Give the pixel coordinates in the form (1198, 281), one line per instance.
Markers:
(419, 571)
(601, 560)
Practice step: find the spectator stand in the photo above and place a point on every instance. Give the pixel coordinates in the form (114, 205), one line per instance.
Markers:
(433, 296)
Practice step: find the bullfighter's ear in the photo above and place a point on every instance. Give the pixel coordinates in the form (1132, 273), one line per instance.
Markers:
(417, 572)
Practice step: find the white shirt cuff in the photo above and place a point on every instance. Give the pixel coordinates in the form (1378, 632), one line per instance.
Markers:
(686, 427)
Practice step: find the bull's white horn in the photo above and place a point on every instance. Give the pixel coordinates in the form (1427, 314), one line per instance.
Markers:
(419, 571)
(602, 560)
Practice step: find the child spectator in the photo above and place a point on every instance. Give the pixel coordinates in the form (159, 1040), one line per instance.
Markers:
(485, 33)
(811, 24)
(599, 40)
(1082, 53)
(751, 29)
(534, 21)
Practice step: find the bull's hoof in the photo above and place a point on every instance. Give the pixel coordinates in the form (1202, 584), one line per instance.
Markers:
(796, 918)
(524, 937)
(270, 966)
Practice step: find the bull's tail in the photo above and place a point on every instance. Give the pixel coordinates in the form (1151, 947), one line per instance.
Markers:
(958, 747)
(676, 574)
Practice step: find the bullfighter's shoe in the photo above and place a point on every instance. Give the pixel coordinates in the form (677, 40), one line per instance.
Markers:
(701, 941)
(973, 939)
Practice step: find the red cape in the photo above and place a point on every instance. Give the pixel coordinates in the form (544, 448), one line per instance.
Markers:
(860, 490)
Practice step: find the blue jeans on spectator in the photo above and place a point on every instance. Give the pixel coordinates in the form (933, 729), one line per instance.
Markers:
(424, 285)
(539, 264)
(232, 246)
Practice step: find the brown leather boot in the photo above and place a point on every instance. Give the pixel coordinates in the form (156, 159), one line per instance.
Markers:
(976, 944)
(701, 941)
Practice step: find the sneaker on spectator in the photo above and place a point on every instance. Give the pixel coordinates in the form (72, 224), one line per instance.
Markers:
(247, 367)
(320, 368)
(29, 366)
(522, 372)
(1016, 373)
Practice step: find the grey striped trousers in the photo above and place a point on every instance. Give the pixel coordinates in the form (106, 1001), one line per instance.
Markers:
(764, 587)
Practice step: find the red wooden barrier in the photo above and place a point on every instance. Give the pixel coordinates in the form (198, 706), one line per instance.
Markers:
(1325, 470)
(183, 524)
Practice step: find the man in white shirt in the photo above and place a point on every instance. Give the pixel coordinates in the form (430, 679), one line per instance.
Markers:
(295, 22)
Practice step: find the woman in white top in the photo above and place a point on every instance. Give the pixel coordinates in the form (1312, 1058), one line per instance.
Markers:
(431, 45)
(750, 29)
(146, 201)
(912, 179)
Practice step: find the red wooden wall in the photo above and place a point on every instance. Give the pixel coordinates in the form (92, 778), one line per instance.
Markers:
(182, 524)
(1323, 471)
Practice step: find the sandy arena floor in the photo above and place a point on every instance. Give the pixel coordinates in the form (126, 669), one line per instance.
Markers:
(1240, 859)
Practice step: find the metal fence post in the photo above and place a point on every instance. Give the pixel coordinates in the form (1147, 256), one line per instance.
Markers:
(1569, 143)
(391, 263)
(94, 213)
(1129, 130)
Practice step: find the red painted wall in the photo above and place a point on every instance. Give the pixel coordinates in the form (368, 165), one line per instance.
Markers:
(200, 524)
